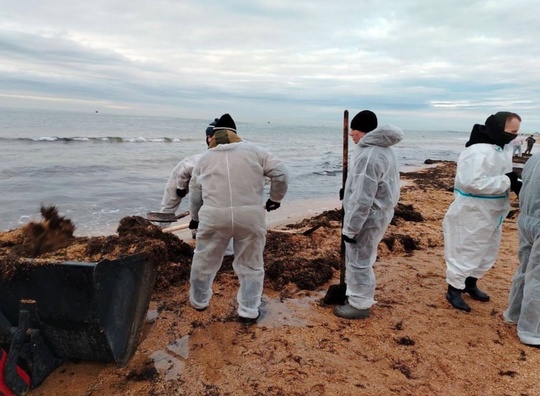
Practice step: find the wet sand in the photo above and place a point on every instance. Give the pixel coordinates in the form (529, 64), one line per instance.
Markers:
(414, 342)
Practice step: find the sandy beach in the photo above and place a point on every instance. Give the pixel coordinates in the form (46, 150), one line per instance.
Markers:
(414, 342)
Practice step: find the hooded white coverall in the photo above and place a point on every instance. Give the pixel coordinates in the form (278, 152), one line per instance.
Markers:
(524, 301)
(227, 197)
(179, 179)
(370, 196)
(472, 225)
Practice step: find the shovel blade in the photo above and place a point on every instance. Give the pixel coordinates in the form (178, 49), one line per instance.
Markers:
(336, 295)
(160, 217)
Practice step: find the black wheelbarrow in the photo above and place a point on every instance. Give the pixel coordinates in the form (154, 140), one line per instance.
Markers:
(82, 310)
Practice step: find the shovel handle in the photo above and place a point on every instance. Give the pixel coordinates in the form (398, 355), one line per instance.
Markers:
(344, 180)
(182, 215)
(345, 147)
(175, 228)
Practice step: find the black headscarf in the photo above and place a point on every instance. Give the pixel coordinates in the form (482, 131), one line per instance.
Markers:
(492, 132)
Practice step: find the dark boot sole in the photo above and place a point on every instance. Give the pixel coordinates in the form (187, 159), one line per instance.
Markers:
(461, 307)
(249, 321)
(477, 297)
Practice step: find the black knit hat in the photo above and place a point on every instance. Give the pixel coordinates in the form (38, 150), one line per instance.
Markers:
(210, 127)
(365, 121)
(225, 122)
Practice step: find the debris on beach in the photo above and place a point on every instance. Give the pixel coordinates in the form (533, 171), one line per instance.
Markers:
(53, 232)
(52, 240)
(185, 351)
(292, 261)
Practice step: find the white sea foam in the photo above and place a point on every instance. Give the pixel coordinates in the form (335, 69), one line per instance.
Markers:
(117, 166)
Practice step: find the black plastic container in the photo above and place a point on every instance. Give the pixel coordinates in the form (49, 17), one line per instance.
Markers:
(88, 311)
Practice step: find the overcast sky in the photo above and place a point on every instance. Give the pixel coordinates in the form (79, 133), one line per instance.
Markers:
(419, 64)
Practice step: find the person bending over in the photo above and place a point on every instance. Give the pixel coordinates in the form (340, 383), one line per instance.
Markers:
(472, 226)
(177, 185)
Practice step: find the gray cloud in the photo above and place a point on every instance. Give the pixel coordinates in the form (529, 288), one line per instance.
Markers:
(421, 65)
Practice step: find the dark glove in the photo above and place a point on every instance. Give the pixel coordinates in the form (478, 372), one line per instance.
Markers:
(347, 239)
(193, 225)
(515, 183)
(271, 205)
(181, 193)
(341, 194)
(517, 187)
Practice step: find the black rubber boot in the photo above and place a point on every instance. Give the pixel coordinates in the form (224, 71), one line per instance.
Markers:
(454, 297)
(474, 291)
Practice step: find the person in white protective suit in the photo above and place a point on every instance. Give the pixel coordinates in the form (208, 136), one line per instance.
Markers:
(524, 301)
(227, 201)
(517, 143)
(472, 226)
(371, 193)
(178, 185)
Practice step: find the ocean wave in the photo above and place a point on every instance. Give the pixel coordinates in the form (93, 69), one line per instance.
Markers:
(326, 173)
(43, 170)
(101, 139)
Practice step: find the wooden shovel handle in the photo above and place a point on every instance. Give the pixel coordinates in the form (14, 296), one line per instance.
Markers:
(175, 228)
(345, 147)
(344, 180)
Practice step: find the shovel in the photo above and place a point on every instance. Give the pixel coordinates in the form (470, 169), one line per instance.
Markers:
(165, 217)
(300, 231)
(176, 228)
(336, 294)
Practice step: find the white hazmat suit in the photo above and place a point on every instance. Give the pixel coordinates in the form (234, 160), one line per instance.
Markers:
(179, 179)
(370, 196)
(227, 198)
(473, 224)
(524, 301)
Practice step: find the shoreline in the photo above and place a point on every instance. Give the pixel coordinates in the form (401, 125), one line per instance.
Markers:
(292, 211)
(395, 350)
(295, 211)
(289, 212)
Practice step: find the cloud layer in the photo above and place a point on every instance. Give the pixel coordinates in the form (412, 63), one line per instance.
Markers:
(419, 64)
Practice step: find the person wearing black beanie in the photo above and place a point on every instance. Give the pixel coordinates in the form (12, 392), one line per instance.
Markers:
(225, 122)
(224, 132)
(365, 121)
(370, 195)
(472, 226)
(227, 191)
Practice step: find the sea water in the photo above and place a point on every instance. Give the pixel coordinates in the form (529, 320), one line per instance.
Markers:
(97, 168)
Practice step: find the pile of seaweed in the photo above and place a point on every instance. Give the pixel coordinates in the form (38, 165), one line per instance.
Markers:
(304, 260)
(52, 240)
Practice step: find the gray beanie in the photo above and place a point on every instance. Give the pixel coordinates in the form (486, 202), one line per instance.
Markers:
(210, 127)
